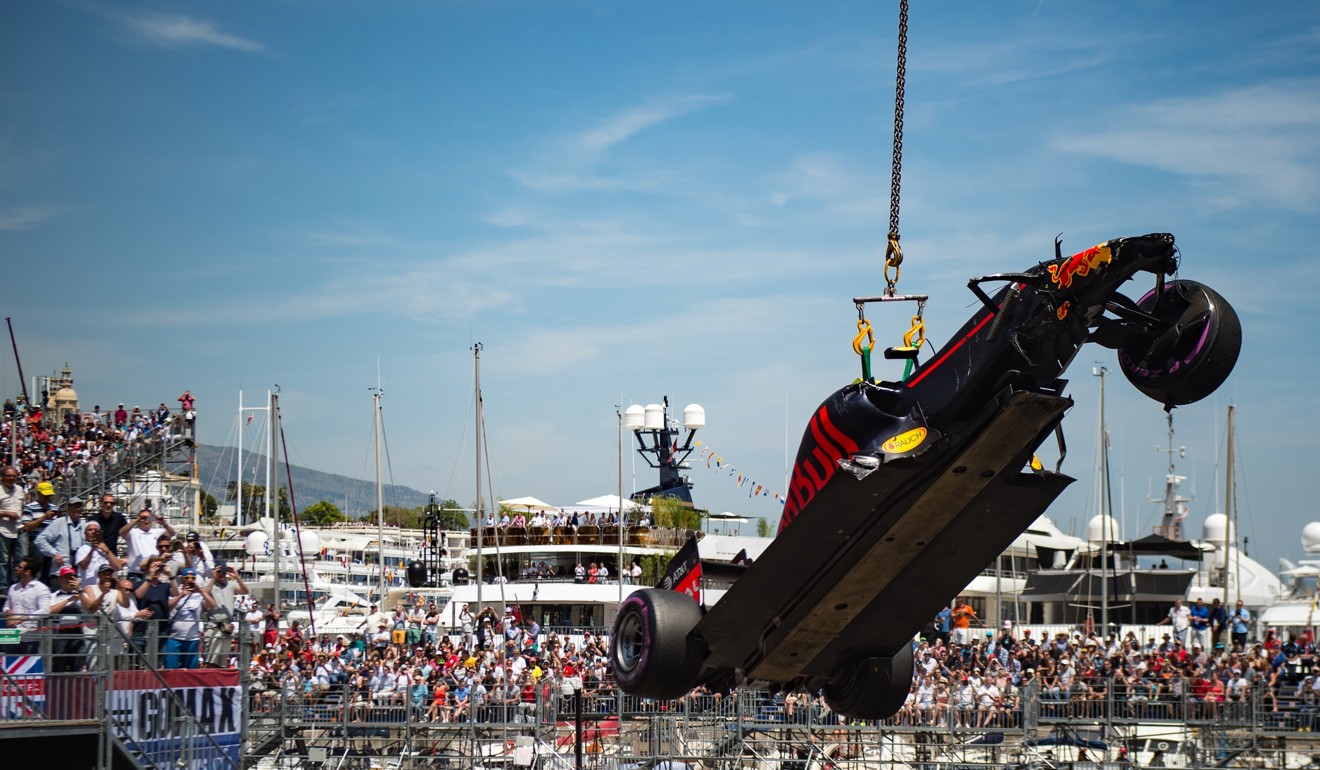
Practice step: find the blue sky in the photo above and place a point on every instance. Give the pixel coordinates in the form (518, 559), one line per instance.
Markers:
(628, 200)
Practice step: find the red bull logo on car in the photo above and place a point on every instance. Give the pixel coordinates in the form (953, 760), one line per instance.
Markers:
(1080, 264)
(813, 469)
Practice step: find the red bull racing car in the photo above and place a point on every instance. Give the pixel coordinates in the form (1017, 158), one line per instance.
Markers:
(902, 492)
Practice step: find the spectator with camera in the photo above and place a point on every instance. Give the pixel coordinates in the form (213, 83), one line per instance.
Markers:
(152, 594)
(186, 604)
(143, 535)
(197, 555)
(224, 588)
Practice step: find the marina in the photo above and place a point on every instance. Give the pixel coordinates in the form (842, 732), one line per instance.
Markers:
(597, 206)
(557, 706)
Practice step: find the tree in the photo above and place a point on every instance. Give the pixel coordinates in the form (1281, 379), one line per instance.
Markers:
(404, 518)
(323, 513)
(254, 498)
(762, 527)
(653, 567)
(209, 506)
(451, 517)
(674, 513)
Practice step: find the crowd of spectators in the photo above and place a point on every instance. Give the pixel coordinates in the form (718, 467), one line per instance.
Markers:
(510, 518)
(46, 449)
(45, 454)
(492, 667)
(963, 681)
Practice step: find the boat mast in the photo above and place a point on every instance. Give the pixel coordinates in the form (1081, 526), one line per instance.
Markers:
(481, 524)
(1105, 529)
(618, 412)
(1175, 505)
(238, 485)
(274, 511)
(1231, 510)
(380, 504)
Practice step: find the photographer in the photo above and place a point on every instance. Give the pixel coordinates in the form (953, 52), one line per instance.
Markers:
(66, 605)
(197, 555)
(153, 595)
(94, 554)
(224, 588)
(186, 604)
(143, 534)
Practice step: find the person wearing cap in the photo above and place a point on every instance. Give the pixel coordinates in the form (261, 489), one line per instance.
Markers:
(142, 535)
(94, 554)
(111, 600)
(224, 588)
(37, 513)
(66, 604)
(197, 555)
(374, 618)
(186, 604)
(1200, 625)
(63, 537)
(380, 636)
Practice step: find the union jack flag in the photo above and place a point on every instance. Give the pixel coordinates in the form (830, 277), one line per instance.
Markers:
(16, 665)
(23, 688)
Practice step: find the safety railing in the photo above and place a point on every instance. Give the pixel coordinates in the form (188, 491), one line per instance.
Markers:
(86, 668)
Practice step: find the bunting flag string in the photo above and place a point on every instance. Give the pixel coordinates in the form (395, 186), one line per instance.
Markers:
(717, 463)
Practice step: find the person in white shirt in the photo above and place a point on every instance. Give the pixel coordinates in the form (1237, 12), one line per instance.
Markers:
(94, 554)
(197, 555)
(12, 499)
(142, 535)
(28, 603)
(187, 603)
(113, 601)
(373, 619)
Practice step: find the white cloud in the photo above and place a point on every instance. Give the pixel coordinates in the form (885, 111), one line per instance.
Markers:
(623, 126)
(178, 31)
(26, 217)
(1260, 144)
(572, 163)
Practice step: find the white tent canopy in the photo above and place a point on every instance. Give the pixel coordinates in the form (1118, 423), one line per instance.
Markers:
(609, 502)
(528, 504)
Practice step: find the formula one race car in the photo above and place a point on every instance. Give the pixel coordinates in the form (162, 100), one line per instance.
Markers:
(902, 492)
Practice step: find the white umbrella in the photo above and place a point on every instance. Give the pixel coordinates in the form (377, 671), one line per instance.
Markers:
(529, 503)
(604, 501)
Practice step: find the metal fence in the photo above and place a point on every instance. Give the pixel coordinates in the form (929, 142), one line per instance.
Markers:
(81, 670)
(63, 677)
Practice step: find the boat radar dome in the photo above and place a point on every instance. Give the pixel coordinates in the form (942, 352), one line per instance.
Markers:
(1311, 537)
(309, 541)
(1217, 530)
(1096, 527)
(255, 544)
(694, 417)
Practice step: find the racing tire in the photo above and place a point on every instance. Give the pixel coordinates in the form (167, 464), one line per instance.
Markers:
(650, 650)
(872, 688)
(1193, 350)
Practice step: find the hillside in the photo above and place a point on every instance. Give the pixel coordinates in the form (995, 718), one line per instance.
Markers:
(355, 497)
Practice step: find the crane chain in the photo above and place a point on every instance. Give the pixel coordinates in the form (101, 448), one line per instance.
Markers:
(893, 252)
